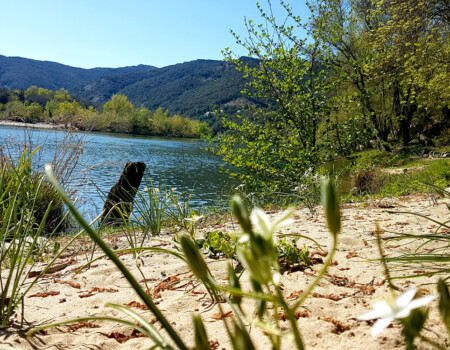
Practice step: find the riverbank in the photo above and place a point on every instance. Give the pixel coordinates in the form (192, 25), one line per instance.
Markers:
(327, 319)
(48, 126)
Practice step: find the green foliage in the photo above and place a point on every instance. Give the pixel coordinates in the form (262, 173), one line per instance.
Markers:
(29, 210)
(217, 244)
(118, 115)
(390, 56)
(433, 262)
(188, 89)
(273, 147)
(367, 160)
(33, 197)
(436, 172)
(292, 254)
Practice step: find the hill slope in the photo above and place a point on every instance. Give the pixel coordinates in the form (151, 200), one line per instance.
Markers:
(189, 88)
(21, 73)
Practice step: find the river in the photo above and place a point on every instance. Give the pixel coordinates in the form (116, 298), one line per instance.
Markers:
(177, 163)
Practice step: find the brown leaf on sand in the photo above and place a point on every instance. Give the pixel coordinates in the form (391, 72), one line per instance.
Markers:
(330, 297)
(98, 290)
(339, 327)
(137, 305)
(295, 294)
(218, 317)
(317, 252)
(122, 338)
(304, 314)
(70, 283)
(76, 326)
(296, 268)
(167, 284)
(385, 205)
(213, 344)
(51, 270)
(340, 281)
(374, 233)
(43, 294)
(351, 255)
(366, 289)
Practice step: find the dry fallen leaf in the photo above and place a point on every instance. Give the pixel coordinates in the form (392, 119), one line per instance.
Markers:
(122, 338)
(218, 316)
(339, 326)
(43, 294)
(296, 294)
(351, 255)
(98, 290)
(137, 305)
(70, 283)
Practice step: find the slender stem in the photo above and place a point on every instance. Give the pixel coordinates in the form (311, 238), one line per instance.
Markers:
(290, 315)
(383, 261)
(319, 276)
(429, 341)
(239, 292)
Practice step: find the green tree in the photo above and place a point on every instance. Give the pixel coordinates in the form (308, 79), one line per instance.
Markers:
(274, 146)
(119, 105)
(15, 110)
(35, 112)
(62, 95)
(38, 95)
(67, 112)
(159, 123)
(140, 121)
(412, 52)
(51, 107)
(391, 58)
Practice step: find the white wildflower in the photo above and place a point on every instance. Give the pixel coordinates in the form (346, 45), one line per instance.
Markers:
(400, 308)
(264, 227)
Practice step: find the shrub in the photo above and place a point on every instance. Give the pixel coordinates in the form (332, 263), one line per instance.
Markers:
(26, 204)
(31, 194)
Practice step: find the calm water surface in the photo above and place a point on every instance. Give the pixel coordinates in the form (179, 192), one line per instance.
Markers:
(182, 164)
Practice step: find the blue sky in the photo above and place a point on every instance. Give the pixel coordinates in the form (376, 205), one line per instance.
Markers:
(112, 33)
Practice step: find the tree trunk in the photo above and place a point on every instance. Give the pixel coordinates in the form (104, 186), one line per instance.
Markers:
(119, 203)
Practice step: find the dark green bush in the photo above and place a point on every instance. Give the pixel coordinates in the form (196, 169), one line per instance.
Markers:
(32, 194)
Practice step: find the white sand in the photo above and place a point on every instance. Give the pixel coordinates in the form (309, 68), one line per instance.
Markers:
(328, 318)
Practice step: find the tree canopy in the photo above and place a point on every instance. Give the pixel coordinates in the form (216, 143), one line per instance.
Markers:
(355, 74)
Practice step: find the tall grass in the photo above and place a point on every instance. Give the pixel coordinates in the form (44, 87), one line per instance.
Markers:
(435, 261)
(66, 160)
(26, 204)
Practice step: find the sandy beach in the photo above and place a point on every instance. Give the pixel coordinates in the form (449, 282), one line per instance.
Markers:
(50, 126)
(327, 319)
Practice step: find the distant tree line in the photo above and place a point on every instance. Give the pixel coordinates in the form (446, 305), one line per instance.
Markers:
(118, 115)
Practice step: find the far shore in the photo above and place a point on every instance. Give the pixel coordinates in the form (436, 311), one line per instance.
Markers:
(71, 127)
(38, 125)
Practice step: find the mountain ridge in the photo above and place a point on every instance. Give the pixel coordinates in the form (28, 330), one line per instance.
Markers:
(188, 88)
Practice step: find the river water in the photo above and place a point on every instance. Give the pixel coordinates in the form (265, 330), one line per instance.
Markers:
(181, 164)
